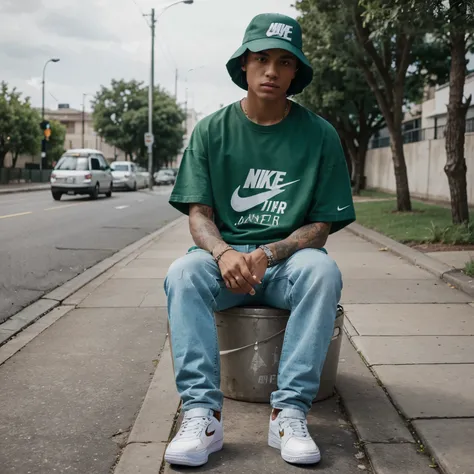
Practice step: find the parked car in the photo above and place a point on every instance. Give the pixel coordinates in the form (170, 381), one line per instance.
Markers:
(145, 174)
(81, 171)
(127, 175)
(164, 177)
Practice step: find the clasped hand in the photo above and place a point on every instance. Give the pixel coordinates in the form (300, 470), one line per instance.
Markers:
(242, 271)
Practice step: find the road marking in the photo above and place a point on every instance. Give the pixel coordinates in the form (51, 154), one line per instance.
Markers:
(60, 207)
(15, 215)
(121, 207)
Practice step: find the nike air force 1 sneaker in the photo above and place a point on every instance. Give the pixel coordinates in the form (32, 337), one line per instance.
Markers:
(288, 432)
(200, 434)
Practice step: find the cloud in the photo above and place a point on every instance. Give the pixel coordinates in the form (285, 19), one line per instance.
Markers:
(68, 25)
(101, 40)
(20, 6)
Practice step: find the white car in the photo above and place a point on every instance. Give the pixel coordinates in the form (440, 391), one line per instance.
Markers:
(81, 171)
(127, 175)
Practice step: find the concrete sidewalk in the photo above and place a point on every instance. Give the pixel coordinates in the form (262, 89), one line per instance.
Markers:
(83, 373)
(23, 187)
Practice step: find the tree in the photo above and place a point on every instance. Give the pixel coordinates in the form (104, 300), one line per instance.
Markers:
(460, 29)
(339, 91)
(110, 106)
(55, 144)
(25, 137)
(451, 23)
(19, 125)
(121, 113)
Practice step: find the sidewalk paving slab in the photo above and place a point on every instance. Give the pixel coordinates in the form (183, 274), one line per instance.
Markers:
(398, 459)
(129, 292)
(426, 391)
(412, 350)
(412, 319)
(451, 443)
(396, 291)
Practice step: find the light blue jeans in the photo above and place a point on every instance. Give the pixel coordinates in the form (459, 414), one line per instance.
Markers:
(308, 284)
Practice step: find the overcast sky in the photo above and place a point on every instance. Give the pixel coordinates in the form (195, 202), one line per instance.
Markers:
(101, 40)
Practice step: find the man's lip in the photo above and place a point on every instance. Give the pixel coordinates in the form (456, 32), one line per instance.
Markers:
(270, 84)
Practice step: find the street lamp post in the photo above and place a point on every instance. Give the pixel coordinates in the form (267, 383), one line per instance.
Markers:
(152, 86)
(84, 95)
(43, 142)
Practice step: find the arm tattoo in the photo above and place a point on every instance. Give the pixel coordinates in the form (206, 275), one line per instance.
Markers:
(204, 231)
(312, 236)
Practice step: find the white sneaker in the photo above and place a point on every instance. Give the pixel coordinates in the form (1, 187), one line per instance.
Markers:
(200, 434)
(289, 433)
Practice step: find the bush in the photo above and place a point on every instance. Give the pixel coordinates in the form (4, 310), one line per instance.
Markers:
(459, 234)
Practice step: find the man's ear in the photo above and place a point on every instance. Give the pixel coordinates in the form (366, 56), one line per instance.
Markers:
(243, 61)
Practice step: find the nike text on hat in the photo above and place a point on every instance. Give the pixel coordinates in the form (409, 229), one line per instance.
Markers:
(272, 31)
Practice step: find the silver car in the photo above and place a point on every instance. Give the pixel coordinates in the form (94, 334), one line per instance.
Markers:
(81, 171)
(127, 175)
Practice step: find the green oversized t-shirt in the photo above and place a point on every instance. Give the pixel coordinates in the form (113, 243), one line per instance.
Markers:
(264, 182)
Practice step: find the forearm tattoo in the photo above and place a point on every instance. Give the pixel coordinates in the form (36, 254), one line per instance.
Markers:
(312, 236)
(204, 231)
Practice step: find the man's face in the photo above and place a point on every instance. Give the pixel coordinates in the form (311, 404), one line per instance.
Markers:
(270, 72)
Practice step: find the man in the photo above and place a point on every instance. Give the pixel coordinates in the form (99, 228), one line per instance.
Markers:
(264, 182)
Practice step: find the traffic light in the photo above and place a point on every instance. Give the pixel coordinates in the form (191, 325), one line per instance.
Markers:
(46, 127)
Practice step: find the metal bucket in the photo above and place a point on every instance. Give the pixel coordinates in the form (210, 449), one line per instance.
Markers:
(250, 342)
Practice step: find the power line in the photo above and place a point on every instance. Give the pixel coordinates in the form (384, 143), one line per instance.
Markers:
(142, 14)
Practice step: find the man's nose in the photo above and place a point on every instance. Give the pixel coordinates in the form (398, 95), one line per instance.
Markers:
(272, 71)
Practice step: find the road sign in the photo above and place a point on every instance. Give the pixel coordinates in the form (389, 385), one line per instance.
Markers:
(149, 139)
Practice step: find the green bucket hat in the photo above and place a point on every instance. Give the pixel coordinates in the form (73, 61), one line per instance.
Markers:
(272, 31)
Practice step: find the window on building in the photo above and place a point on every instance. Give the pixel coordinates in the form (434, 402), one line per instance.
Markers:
(70, 127)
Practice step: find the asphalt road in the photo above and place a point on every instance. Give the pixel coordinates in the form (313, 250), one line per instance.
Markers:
(44, 243)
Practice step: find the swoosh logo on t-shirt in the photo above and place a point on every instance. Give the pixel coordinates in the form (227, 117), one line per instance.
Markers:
(242, 204)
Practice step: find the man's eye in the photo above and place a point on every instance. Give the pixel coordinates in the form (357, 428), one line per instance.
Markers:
(260, 59)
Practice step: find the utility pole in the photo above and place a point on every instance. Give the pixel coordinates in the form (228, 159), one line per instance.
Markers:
(176, 85)
(150, 99)
(83, 117)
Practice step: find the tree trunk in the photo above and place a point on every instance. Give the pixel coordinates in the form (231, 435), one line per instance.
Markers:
(455, 167)
(14, 159)
(349, 159)
(400, 169)
(3, 154)
(361, 159)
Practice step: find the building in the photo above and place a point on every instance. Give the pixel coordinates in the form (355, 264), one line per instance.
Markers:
(72, 119)
(192, 119)
(424, 149)
(427, 121)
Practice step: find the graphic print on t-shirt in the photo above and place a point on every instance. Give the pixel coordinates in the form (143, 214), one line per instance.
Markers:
(271, 183)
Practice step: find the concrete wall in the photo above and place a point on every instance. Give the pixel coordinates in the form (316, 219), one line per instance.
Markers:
(425, 167)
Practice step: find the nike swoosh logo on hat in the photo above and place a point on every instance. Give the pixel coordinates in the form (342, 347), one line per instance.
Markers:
(242, 204)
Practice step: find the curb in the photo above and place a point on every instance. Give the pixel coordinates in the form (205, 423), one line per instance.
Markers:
(431, 265)
(24, 190)
(21, 320)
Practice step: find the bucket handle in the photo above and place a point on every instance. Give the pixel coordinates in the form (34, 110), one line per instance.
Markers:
(336, 334)
(255, 344)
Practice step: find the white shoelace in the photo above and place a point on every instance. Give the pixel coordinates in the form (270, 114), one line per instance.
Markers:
(192, 427)
(298, 426)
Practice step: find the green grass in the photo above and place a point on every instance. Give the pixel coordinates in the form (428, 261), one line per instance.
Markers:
(427, 223)
(469, 268)
(373, 193)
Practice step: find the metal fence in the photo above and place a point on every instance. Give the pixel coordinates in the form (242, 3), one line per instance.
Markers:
(420, 134)
(22, 175)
